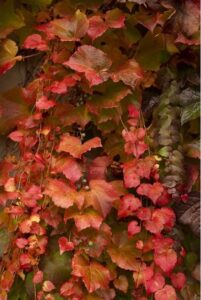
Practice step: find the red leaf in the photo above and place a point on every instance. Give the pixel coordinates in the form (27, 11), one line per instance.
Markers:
(134, 142)
(73, 145)
(152, 191)
(31, 195)
(6, 282)
(17, 136)
(163, 218)
(69, 167)
(101, 196)
(167, 293)
(71, 288)
(44, 103)
(133, 228)
(178, 280)
(65, 245)
(97, 167)
(84, 219)
(143, 274)
(144, 213)
(25, 260)
(121, 283)
(133, 111)
(70, 28)
(98, 240)
(10, 186)
(129, 204)
(35, 41)
(61, 87)
(48, 286)
(96, 27)
(115, 18)
(136, 169)
(166, 259)
(91, 61)
(38, 277)
(154, 284)
(93, 274)
(130, 73)
(63, 195)
(21, 242)
(123, 252)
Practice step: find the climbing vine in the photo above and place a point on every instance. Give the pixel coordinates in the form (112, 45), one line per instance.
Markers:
(86, 205)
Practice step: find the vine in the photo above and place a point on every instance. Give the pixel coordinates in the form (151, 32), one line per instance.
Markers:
(86, 212)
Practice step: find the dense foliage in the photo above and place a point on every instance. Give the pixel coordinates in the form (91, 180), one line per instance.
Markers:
(87, 196)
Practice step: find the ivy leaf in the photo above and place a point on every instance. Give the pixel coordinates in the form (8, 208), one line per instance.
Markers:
(61, 87)
(157, 54)
(71, 28)
(136, 169)
(9, 19)
(123, 252)
(38, 277)
(152, 191)
(62, 194)
(97, 168)
(129, 204)
(69, 167)
(91, 61)
(30, 196)
(48, 286)
(111, 95)
(121, 283)
(166, 260)
(8, 58)
(155, 283)
(163, 218)
(43, 103)
(190, 112)
(86, 218)
(13, 108)
(73, 145)
(93, 274)
(101, 196)
(7, 280)
(65, 245)
(96, 27)
(133, 228)
(129, 72)
(35, 41)
(164, 256)
(167, 293)
(71, 288)
(143, 275)
(178, 280)
(97, 240)
(115, 18)
(134, 141)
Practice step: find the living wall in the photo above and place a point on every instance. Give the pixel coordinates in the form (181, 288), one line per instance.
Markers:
(103, 149)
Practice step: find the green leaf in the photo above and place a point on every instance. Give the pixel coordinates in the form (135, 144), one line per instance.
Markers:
(152, 51)
(190, 112)
(10, 19)
(56, 267)
(191, 260)
(163, 152)
(18, 291)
